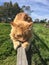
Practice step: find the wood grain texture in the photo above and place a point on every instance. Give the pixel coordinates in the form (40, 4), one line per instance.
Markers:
(21, 56)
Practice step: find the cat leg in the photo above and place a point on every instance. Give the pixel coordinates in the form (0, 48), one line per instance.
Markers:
(26, 45)
(16, 44)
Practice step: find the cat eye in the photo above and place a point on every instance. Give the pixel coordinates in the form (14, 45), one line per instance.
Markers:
(19, 35)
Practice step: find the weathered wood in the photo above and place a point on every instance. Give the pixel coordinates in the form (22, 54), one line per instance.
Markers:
(21, 57)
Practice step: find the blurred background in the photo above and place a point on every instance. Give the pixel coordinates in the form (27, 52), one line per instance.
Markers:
(38, 10)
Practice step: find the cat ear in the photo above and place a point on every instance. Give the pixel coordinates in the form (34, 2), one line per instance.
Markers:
(30, 24)
(12, 24)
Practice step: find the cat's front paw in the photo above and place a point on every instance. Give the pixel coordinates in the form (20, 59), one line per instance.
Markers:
(26, 46)
(16, 45)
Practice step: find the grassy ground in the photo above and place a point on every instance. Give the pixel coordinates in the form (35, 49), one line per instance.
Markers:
(39, 53)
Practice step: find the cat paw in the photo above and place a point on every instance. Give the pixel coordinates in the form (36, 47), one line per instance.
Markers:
(16, 45)
(25, 46)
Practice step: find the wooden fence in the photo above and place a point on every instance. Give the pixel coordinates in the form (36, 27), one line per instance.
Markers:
(21, 56)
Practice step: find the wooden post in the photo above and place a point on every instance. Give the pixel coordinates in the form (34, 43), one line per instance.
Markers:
(21, 56)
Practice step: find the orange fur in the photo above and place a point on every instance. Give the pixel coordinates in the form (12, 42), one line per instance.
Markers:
(21, 30)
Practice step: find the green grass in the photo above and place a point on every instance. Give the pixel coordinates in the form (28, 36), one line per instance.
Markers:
(7, 53)
(39, 49)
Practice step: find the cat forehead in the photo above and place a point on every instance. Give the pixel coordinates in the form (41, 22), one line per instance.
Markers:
(21, 15)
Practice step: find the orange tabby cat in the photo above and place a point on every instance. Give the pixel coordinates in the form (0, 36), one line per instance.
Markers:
(21, 30)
